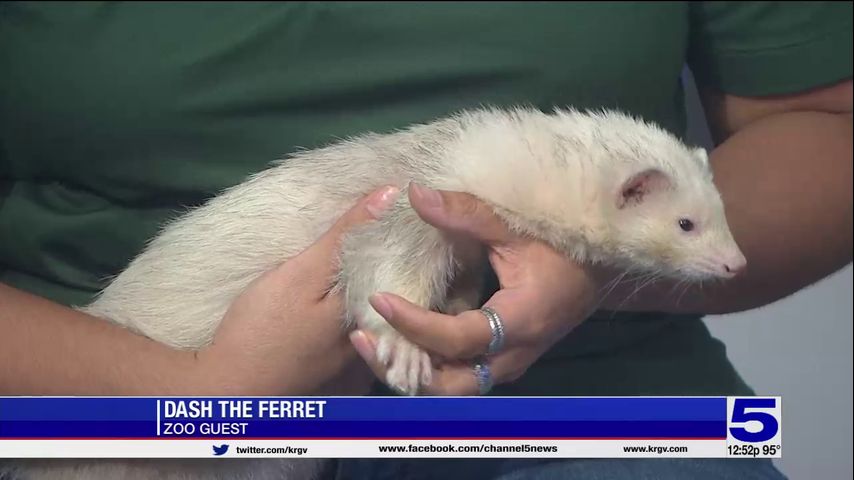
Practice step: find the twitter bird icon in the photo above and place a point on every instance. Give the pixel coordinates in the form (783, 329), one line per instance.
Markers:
(220, 450)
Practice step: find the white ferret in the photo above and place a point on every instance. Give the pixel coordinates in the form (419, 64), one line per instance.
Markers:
(600, 187)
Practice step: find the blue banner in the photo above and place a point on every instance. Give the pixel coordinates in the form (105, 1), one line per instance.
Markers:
(363, 418)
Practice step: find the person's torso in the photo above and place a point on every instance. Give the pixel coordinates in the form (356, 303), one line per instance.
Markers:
(115, 116)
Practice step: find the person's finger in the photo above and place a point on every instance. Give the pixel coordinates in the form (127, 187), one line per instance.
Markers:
(453, 380)
(460, 379)
(325, 249)
(449, 379)
(459, 213)
(369, 208)
(467, 334)
(457, 337)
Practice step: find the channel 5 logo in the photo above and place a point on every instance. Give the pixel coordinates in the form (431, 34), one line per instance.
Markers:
(754, 419)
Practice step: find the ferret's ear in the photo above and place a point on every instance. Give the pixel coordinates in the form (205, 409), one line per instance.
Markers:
(641, 185)
(702, 156)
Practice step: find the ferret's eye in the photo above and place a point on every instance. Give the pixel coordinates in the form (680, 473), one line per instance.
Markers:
(686, 225)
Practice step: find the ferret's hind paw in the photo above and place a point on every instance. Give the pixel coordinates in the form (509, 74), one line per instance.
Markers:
(409, 367)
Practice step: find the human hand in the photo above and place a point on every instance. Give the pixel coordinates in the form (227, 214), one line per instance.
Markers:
(284, 334)
(543, 295)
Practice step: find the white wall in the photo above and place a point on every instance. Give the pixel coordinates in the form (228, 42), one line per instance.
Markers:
(799, 348)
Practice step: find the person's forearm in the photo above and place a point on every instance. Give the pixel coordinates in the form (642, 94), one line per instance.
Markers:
(48, 349)
(786, 183)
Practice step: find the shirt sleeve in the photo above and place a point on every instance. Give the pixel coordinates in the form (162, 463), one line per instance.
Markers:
(770, 48)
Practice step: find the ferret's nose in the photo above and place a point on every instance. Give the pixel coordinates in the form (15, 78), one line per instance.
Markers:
(735, 266)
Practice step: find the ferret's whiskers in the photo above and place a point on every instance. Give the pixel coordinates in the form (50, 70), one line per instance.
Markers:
(610, 286)
(688, 286)
(676, 286)
(647, 280)
(654, 277)
(640, 276)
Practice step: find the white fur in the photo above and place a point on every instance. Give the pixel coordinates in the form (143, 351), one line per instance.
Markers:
(556, 177)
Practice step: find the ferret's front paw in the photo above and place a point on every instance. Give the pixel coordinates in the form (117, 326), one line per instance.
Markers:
(409, 367)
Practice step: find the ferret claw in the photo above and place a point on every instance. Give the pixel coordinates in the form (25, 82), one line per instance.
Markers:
(409, 366)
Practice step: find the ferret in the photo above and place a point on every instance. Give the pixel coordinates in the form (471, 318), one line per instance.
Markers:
(601, 187)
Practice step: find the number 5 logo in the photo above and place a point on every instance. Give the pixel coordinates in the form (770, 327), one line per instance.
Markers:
(769, 423)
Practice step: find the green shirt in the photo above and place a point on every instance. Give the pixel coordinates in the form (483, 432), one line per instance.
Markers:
(116, 116)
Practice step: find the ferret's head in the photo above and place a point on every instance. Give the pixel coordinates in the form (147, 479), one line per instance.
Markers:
(667, 214)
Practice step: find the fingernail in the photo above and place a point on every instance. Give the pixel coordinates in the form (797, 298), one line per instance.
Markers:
(362, 345)
(431, 198)
(381, 305)
(382, 200)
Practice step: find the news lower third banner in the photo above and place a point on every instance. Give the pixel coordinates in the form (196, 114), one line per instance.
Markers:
(381, 427)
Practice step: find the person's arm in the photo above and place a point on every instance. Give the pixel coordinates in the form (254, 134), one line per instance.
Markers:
(267, 344)
(784, 169)
(49, 349)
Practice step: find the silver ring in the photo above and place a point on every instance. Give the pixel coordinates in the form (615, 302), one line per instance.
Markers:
(497, 328)
(483, 376)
